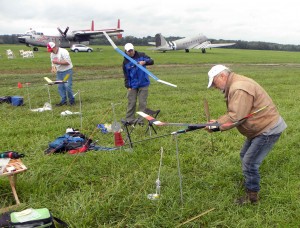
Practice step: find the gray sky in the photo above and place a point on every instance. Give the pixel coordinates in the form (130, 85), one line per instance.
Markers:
(251, 20)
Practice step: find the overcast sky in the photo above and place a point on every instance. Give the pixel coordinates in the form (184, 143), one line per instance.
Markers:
(251, 20)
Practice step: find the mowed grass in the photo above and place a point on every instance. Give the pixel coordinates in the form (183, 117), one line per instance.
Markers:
(110, 188)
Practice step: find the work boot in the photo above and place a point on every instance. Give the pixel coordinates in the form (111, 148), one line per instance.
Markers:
(61, 104)
(250, 197)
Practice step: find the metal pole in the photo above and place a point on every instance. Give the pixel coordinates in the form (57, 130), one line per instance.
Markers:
(178, 165)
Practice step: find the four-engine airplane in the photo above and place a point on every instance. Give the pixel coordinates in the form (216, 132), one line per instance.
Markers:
(66, 38)
(195, 42)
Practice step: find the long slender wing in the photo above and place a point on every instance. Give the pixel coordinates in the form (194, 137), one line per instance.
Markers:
(135, 62)
(50, 82)
(159, 123)
(198, 126)
(208, 44)
(97, 33)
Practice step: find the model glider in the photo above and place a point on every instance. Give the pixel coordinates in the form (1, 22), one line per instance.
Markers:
(50, 82)
(135, 62)
(192, 127)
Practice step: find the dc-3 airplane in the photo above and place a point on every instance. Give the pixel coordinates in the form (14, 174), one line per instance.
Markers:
(66, 38)
(195, 42)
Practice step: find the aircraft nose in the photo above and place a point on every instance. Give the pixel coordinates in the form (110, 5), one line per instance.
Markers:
(21, 40)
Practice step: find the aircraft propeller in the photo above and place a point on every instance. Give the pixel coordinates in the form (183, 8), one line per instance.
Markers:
(63, 34)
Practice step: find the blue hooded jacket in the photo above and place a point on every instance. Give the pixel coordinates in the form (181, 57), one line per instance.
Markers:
(134, 77)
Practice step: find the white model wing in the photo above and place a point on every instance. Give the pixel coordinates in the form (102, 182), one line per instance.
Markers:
(48, 80)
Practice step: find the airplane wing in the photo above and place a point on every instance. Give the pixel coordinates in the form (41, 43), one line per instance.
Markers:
(208, 44)
(98, 33)
(50, 82)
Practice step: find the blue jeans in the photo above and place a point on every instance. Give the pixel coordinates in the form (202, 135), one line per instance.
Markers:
(252, 154)
(65, 89)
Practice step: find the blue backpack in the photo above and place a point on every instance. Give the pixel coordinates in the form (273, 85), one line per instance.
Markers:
(68, 141)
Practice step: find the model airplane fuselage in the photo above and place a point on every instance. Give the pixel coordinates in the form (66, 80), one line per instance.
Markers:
(66, 39)
(195, 42)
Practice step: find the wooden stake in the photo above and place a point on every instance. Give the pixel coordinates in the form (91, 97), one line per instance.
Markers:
(195, 217)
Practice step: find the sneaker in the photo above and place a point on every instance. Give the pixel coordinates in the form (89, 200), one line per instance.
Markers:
(72, 103)
(61, 104)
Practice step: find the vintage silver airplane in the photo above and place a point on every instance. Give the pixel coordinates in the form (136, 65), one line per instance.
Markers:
(195, 42)
(64, 38)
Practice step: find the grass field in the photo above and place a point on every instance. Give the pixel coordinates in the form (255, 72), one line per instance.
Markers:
(110, 188)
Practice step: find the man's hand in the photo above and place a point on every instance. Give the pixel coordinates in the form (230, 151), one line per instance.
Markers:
(142, 63)
(53, 70)
(211, 129)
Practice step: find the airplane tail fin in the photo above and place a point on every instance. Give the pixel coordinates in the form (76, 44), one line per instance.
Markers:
(119, 36)
(92, 26)
(160, 40)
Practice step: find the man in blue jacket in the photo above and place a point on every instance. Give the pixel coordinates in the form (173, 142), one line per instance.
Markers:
(136, 82)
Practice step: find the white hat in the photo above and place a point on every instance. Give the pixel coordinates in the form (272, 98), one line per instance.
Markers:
(214, 71)
(50, 46)
(128, 47)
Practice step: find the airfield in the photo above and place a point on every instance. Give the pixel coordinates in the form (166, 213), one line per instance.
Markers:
(110, 188)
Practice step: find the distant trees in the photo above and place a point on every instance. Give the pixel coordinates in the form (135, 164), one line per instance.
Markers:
(9, 39)
(240, 44)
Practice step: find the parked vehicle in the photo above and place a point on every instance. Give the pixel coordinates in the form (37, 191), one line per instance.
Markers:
(80, 47)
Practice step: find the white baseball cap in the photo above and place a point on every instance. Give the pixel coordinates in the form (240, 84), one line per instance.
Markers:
(128, 46)
(50, 46)
(214, 71)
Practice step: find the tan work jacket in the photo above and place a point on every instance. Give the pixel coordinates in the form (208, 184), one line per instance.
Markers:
(244, 96)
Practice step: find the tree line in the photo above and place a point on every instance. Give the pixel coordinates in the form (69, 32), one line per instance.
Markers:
(240, 44)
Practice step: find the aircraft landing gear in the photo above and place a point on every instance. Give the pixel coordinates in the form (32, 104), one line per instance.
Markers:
(35, 49)
(187, 50)
(203, 50)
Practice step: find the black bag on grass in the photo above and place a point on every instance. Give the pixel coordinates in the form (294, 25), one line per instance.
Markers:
(5, 99)
(31, 218)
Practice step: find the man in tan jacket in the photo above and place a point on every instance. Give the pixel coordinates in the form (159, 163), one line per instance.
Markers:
(244, 96)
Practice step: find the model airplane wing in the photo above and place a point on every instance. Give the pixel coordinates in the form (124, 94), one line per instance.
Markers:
(50, 82)
(159, 123)
(135, 62)
(191, 127)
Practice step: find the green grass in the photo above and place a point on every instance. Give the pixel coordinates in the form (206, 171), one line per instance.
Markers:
(110, 188)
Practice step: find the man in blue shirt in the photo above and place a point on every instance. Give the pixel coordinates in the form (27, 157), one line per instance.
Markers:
(136, 82)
